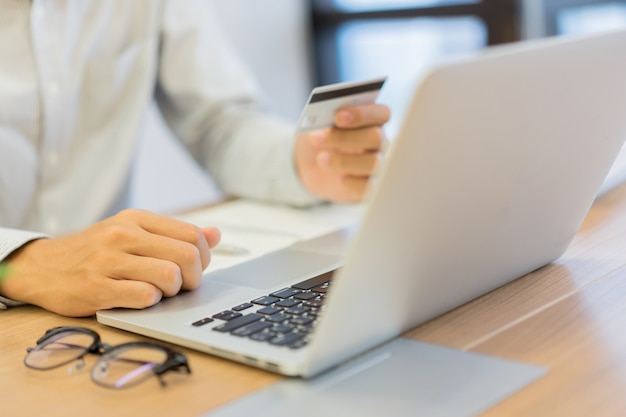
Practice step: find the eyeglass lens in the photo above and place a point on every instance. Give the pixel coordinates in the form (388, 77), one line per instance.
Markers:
(58, 350)
(126, 366)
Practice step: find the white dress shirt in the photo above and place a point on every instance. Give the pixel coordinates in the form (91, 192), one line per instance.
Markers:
(76, 79)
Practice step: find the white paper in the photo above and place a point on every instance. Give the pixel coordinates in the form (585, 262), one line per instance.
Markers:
(255, 229)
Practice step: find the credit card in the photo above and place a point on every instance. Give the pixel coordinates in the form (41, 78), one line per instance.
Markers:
(323, 102)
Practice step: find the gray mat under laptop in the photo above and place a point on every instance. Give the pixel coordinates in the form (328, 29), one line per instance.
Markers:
(401, 378)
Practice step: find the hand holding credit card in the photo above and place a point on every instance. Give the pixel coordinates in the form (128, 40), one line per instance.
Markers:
(323, 102)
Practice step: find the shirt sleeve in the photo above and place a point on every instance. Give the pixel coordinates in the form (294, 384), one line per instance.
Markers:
(214, 106)
(10, 240)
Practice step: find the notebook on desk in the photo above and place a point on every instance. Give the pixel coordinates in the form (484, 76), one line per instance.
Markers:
(498, 160)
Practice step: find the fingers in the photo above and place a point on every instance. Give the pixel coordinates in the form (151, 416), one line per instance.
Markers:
(161, 265)
(352, 171)
(162, 251)
(164, 275)
(350, 141)
(355, 187)
(355, 117)
(362, 165)
(177, 230)
(358, 129)
(127, 294)
(350, 152)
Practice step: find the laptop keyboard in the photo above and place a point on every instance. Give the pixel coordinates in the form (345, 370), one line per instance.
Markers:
(283, 318)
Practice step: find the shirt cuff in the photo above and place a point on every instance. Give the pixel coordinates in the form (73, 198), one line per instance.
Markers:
(10, 240)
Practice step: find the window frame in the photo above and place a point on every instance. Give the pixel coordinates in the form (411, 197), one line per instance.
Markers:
(501, 18)
(552, 8)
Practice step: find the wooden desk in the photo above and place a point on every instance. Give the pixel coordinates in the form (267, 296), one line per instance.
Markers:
(569, 317)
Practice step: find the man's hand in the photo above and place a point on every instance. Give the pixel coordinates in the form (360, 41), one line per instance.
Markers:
(132, 259)
(336, 164)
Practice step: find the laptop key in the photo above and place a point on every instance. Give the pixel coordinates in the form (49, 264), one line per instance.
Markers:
(231, 325)
(306, 329)
(305, 296)
(301, 320)
(285, 293)
(314, 282)
(282, 328)
(314, 312)
(298, 344)
(202, 322)
(262, 336)
(314, 303)
(250, 329)
(286, 339)
(320, 289)
(290, 302)
(297, 311)
(269, 310)
(241, 307)
(226, 315)
(276, 318)
(265, 300)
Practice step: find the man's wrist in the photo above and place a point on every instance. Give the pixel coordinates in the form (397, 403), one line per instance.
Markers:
(8, 273)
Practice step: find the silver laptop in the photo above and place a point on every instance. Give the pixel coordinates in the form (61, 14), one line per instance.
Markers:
(499, 159)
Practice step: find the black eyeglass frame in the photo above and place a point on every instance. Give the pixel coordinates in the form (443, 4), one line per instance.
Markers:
(175, 361)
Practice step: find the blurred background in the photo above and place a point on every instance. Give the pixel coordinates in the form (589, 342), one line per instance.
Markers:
(293, 45)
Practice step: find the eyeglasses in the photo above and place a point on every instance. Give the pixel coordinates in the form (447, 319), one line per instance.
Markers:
(120, 366)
